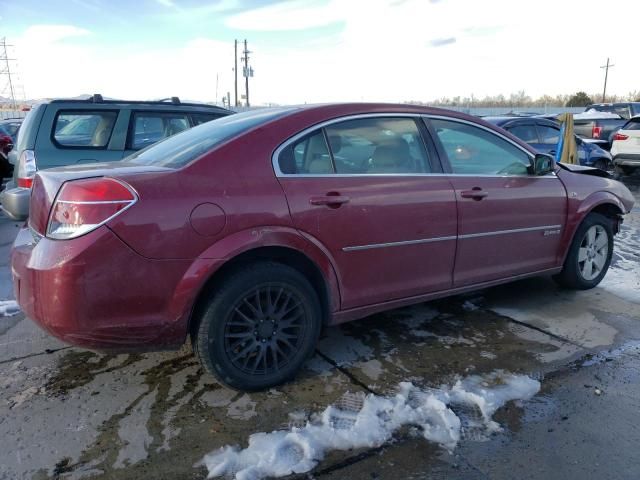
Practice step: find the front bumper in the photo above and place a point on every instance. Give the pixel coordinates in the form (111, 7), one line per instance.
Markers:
(97, 293)
(15, 202)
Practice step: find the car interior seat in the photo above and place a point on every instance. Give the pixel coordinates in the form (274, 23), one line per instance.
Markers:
(103, 132)
(391, 158)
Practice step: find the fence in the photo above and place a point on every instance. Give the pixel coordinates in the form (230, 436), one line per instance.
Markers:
(4, 114)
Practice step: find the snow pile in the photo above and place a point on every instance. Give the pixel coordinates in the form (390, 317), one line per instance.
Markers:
(623, 278)
(8, 308)
(359, 421)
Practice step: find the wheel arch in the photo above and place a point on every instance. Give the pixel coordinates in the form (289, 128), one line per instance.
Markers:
(302, 256)
(604, 203)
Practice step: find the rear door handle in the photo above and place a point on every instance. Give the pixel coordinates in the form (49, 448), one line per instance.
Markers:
(475, 194)
(330, 200)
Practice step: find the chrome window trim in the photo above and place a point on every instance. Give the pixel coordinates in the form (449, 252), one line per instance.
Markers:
(306, 131)
(355, 248)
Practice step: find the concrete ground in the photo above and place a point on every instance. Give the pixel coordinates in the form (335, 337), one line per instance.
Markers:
(66, 413)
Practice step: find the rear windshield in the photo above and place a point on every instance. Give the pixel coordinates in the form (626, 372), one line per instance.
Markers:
(633, 124)
(619, 109)
(180, 149)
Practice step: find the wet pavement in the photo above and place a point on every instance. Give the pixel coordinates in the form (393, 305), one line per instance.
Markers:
(67, 413)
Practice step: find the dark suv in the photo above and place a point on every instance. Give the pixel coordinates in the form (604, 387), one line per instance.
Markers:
(67, 132)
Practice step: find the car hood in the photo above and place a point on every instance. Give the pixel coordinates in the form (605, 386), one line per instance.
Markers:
(596, 172)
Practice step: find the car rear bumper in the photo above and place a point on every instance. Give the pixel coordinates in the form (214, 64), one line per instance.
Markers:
(15, 202)
(627, 159)
(97, 293)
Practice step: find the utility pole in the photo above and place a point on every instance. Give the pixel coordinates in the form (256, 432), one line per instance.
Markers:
(7, 71)
(235, 68)
(606, 74)
(246, 71)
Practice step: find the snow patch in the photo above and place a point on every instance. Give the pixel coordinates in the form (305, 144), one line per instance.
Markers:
(9, 308)
(623, 280)
(368, 421)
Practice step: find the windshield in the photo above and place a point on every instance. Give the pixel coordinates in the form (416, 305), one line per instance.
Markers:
(180, 149)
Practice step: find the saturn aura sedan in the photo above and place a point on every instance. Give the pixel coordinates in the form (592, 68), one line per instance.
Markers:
(250, 233)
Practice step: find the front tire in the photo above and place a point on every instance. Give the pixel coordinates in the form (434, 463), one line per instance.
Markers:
(590, 254)
(259, 327)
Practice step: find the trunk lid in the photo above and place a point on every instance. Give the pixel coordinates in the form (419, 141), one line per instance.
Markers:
(47, 184)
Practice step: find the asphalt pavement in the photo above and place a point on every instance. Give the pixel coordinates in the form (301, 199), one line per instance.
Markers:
(68, 413)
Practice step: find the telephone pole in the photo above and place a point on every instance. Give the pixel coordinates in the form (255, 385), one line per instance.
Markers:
(247, 71)
(235, 69)
(7, 71)
(606, 74)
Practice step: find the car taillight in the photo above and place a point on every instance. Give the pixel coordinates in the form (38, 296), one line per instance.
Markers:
(26, 168)
(83, 205)
(596, 132)
(620, 136)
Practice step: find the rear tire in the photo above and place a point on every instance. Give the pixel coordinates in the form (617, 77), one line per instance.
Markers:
(259, 327)
(590, 254)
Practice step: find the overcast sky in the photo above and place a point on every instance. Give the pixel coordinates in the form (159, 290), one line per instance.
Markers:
(322, 50)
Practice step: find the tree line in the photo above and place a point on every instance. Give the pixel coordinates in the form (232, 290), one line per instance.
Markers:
(521, 99)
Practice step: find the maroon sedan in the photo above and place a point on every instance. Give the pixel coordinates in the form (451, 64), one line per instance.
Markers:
(249, 233)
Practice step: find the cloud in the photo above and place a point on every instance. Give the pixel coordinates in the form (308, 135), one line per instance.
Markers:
(292, 15)
(166, 3)
(51, 33)
(440, 42)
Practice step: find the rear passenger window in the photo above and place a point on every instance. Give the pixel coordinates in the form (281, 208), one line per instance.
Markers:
(150, 128)
(84, 128)
(632, 125)
(549, 135)
(309, 155)
(526, 133)
(473, 150)
(378, 146)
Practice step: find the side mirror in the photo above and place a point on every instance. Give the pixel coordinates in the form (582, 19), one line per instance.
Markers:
(543, 164)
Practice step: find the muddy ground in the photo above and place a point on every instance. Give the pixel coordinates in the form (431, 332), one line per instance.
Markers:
(66, 413)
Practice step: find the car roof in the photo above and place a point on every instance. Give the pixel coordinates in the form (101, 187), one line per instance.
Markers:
(172, 102)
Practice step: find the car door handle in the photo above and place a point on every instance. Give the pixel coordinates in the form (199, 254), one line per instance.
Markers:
(330, 200)
(475, 193)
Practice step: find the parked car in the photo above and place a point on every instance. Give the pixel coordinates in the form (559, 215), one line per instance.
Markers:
(69, 132)
(626, 147)
(598, 126)
(6, 145)
(543, 135)
(625, 110)
(249, 233)
(10, 128)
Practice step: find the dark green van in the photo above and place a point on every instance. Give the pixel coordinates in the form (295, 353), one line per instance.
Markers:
(66, 132)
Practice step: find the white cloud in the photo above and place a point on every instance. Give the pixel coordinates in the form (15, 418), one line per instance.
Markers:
(292, 15)
(384, 51)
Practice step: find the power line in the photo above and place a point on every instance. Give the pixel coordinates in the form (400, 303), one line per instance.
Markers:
(7, 70)
(606, 74)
